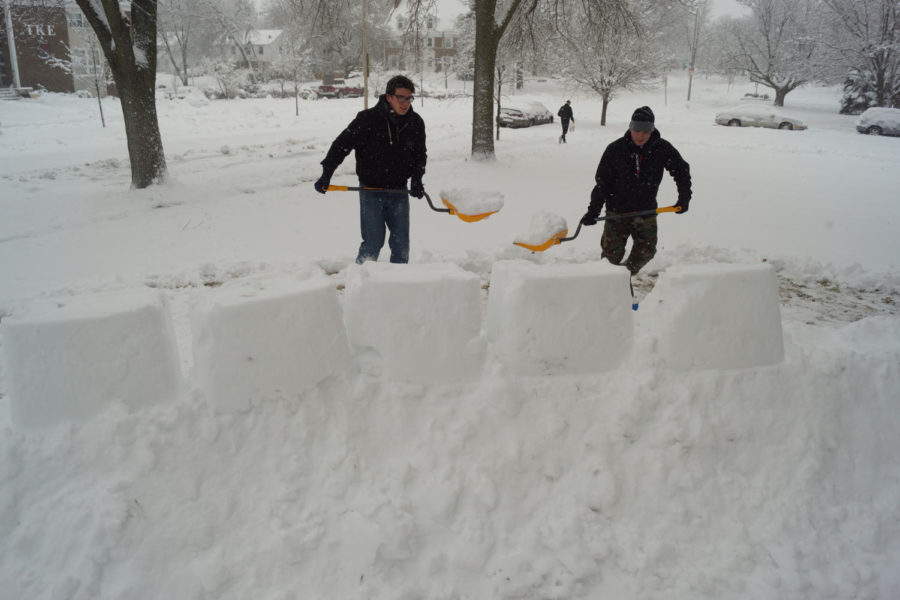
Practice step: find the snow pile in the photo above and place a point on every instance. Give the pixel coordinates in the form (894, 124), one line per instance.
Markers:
(262, 339)
(544, 226)
(717, 316)
(555, 319)
(65, 361)
(637, 481)
(418, 323)
(644, 480)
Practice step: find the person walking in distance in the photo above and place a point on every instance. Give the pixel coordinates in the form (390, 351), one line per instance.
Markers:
(565, 116)
(389, 142)
(627, 180)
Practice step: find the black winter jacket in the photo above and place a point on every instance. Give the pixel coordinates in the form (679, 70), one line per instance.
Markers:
(565, 113)
(390, 148)
(628, 177)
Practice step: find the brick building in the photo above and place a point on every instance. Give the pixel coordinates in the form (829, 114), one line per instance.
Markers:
(438, 47)
(48, 44)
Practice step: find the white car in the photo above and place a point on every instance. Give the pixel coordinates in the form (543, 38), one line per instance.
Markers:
(523, 114)
(757, 115)
(879, 121)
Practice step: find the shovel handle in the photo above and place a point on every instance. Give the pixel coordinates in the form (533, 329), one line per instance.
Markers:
(350, 188)
(641, 213)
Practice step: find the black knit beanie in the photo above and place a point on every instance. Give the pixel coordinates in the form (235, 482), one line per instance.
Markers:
(642, 119)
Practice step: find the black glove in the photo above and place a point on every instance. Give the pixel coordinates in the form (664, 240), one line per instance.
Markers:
(682, 204)
(416, 189)
(322, 184)
(588, 219)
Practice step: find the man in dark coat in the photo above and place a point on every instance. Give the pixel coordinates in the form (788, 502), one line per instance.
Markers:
(389, 141)
(628, 178)
(565, 115)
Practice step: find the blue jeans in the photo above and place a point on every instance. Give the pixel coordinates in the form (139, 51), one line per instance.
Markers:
(377, 210)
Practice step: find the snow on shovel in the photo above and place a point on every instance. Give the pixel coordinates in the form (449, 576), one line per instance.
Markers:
(472, 205)
(468, 206)
(549, 230)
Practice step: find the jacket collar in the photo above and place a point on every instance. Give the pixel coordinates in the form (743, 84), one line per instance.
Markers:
(654, 137)
(385, 108)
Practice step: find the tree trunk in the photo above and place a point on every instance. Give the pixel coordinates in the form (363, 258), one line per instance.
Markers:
(780, 94)
(130, 50)
(603, 110)
(486, 40)
(145, 150)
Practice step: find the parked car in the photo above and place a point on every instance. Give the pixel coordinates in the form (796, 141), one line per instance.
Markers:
(879, 121)
(756, 115)
(339, 89)
(523, 114)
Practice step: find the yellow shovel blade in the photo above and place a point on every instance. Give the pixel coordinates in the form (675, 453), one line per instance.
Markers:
(554, 240)
(465, 217)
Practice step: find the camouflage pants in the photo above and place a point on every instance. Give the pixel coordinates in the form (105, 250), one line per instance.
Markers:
(643, 236)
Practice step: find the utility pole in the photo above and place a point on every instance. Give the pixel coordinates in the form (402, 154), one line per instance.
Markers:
(365, 55)
(11, 43)
(700, 7)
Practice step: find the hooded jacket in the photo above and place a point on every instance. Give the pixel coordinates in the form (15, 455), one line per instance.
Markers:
(390, 148)
(628, 176)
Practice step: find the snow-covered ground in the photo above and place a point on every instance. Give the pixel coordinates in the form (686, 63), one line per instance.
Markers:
(654, 476)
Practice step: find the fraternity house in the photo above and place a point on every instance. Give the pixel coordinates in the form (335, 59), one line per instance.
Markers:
(48, 44)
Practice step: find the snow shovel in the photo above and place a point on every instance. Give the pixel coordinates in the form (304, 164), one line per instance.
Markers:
(450, 208)
(558, 238)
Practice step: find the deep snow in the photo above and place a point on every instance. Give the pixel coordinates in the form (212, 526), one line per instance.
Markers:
(654, 477)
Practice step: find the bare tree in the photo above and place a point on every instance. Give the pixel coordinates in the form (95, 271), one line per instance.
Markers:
(699, 10)
(607, 54)
(235, 20)
(86, 63)
(296, 59)
(332, 29)
(129, 44)
(492, 19)
(181, 22)
(776, 45)
(866, 39)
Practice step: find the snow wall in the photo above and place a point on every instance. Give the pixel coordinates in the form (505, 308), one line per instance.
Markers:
(276, 338)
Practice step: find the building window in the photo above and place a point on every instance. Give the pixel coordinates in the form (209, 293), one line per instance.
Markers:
(429, 23)
(76, 19)
(260, 50)
(448, 42)
(430, 43)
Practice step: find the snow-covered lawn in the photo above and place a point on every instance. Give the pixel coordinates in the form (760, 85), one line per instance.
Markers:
(658, 478)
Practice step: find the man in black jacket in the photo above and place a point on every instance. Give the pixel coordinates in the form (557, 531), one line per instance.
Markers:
(628, 178)
(565, 115)
(389, 141)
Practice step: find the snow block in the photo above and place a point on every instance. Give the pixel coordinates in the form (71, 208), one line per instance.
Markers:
(423, 321)
(267, 339)
(560, 318)
(67, 360)
(717, 316)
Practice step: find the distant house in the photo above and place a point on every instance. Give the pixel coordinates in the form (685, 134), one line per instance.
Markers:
(436, 47)
(261, 48)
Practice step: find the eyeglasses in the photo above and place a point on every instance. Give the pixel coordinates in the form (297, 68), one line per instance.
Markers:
(403, 99)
